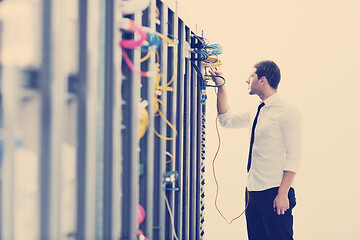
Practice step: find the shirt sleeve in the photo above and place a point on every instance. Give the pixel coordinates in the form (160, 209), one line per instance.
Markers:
(292, 130)
(232, 120)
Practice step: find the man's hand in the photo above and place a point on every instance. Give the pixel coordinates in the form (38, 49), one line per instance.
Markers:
(222, 103)
(217, 80)
(281, 203)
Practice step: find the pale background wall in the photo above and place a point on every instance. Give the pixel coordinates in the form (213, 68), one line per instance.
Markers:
(316, 45)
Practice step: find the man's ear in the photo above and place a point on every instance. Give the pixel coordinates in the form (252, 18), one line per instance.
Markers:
(263, 79)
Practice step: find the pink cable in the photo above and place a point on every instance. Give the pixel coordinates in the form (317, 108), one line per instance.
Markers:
(140, 219)
(131, 65)
(131, 43)
(140, 214)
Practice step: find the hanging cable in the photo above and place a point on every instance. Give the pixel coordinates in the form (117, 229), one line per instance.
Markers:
(214, 174)
(146, 57)
(140, 218)
(146, 41)
(171, 42)
(132, 67)
(158, 102)
(171, 218)
(210, 76)
(167, 122)
(215, 49)
(198, 71)
(171, 157)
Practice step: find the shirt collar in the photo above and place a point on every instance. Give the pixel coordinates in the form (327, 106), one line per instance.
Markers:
(270, 100)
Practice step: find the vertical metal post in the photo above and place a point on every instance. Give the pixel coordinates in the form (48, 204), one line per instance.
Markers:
(147, 142)
(171, 110)
(58, 100)
(46, 76)
(116, 137)
(53, 103)
(179, 127)
(110, 121)
(20, 131)
(200, 162)
(82, 121)
(101, 123)
(10, 76)
(193, 152)
(92, 74)
(160, 154)
(2, 143)
(201, 167)
(130, 144)
(186, 159)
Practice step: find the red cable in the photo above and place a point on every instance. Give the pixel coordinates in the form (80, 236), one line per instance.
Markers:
(217, 184)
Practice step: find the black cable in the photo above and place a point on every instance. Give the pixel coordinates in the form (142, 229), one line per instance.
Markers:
(203, 55)
(208, 85)
(200, 42)
(202, 81)
(198, 71)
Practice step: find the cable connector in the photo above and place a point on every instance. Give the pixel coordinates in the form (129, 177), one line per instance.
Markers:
(170, 177)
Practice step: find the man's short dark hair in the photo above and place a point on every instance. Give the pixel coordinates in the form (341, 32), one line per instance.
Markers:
(270, 70)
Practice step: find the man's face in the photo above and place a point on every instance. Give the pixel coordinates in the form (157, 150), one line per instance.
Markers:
(253, 83)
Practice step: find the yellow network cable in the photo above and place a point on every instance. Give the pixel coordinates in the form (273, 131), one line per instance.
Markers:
(158, 102)
(212, 59)
(171, 42)
(144, 122)
(167, 122)
(146, 57)
(171, 157)
(218, 63)
(157, 13)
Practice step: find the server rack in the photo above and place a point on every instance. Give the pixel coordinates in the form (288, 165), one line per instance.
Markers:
(95, 173)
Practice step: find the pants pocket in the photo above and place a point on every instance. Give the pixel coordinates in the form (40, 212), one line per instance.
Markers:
(292, 198)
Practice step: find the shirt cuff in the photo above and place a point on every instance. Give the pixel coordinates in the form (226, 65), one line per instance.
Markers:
(291, 166)
(223, 117)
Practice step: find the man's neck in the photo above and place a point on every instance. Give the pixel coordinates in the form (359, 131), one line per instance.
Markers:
(266, 94)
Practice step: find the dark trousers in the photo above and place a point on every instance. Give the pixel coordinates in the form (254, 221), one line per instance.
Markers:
(262, 221)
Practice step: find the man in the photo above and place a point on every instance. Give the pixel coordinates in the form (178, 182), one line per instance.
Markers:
(274, 153)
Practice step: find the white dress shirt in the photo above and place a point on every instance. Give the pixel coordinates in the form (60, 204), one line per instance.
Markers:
(277, 144)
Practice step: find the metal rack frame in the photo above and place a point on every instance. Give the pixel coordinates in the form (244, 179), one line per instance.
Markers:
(115, 169)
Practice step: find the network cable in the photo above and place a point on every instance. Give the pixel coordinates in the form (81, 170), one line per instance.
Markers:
(208, 54)
(171, 218)
(214, 173)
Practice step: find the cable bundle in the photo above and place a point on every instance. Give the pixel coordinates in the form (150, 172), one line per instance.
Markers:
(215, 49)
(208, 55)
(147, 39)
(202, 55)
